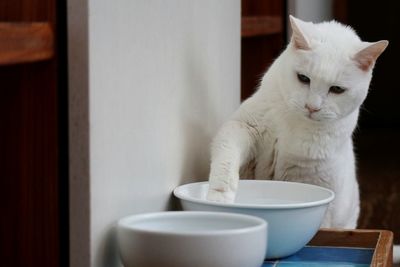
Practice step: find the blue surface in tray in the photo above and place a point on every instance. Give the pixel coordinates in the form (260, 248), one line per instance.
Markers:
(326, 256)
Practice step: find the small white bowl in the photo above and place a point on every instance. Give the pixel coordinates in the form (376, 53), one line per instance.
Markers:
(195, 239)
(294, 211)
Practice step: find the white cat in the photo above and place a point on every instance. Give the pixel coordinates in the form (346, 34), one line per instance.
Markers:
(298, 126)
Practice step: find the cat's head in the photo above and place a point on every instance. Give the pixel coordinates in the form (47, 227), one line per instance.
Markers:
(328, 70)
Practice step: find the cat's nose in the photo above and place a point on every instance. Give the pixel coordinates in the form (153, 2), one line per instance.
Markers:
(311, 108)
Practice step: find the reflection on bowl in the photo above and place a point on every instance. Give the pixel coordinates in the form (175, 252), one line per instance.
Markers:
(196, 239)
(294, 211)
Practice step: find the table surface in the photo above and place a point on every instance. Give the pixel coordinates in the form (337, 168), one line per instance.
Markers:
(334, 247)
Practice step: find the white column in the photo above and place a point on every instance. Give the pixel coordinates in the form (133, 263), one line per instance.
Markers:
(150, 83)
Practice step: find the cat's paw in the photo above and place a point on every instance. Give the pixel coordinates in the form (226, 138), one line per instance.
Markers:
(221, 196)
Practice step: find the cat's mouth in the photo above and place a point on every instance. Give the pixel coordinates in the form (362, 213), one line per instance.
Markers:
(312, 116)
(320, 117)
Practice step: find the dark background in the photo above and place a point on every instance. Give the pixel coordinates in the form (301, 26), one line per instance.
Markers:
(34, 146)
(377, 140)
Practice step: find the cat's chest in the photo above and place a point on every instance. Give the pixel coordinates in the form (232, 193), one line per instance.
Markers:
(297, 144)
(294, 156)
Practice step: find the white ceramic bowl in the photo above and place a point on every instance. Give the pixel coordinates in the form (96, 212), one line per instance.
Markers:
(196, 239)
(294, 211)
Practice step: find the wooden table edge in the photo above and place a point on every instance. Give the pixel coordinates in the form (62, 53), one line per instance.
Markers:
(383, 246)
(383, 254)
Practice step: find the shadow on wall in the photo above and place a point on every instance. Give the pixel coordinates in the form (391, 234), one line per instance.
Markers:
(199, 120)
(109, 249)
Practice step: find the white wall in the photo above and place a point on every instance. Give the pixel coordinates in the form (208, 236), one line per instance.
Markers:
(150, 82)
(311, 10)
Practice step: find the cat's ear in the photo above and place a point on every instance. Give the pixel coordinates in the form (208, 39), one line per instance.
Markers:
(366, 58)
(299, 40)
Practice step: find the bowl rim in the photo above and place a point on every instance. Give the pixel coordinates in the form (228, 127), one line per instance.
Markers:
(127, 223)
(178, 193)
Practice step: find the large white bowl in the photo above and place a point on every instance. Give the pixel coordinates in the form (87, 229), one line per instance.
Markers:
(294, 211)
(196, 239)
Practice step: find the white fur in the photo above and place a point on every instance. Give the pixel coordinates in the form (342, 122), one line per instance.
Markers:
(286, 141)
(396, 254)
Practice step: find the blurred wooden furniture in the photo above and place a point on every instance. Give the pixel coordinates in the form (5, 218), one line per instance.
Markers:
(33, 133)
(253, 26)
(263, 36)
(23, 42)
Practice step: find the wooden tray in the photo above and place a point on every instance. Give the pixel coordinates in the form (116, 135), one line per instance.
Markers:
(334, 247)
(379, 240)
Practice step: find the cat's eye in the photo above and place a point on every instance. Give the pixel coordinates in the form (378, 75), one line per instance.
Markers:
(303, 78)
(336, 90)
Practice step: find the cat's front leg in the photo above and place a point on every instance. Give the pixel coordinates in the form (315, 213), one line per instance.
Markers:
(224, 174)
(232, 147)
